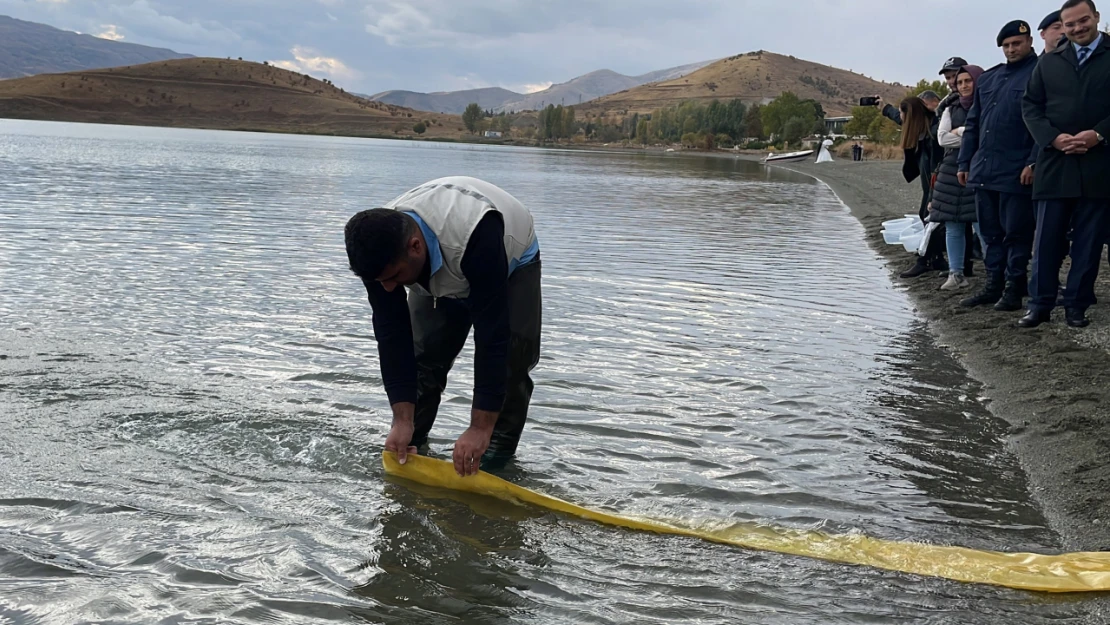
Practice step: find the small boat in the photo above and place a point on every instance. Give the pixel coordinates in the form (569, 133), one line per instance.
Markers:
(789, 157)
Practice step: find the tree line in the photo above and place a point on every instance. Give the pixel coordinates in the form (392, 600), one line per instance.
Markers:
(787, 118)
(714, 123)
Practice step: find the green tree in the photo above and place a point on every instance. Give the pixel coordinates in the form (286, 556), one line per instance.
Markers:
(419, 128)
(735, 112)
(923, 85)
(753, 123)
(504, 124)
(796, 128)
(788, 107)
(547, 122)
(552, 122)
(882, 130)
(631, 125)
(862, 117)
(567, 126)
(471, 115)
(642, 132)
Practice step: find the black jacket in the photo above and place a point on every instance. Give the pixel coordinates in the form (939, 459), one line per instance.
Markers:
(996, 145)
(486, 269)
(923, 159)
(952, 201)
(1065, 98)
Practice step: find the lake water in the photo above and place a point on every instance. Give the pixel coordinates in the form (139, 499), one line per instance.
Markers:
(192, 416)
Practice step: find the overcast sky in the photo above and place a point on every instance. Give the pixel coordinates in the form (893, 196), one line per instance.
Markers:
(429, 45)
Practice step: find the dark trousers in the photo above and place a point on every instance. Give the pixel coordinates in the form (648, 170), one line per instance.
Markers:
(1088, 221)
(439, 330)
(1007, 223)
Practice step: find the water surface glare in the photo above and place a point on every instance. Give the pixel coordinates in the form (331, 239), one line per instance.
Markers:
(192, 415)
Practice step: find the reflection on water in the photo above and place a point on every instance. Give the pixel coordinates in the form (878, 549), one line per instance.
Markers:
(193, 414)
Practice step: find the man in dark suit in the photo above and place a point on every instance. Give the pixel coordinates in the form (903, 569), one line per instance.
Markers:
(1067, 109)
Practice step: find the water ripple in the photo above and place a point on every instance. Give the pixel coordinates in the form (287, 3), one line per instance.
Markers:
(193, 412)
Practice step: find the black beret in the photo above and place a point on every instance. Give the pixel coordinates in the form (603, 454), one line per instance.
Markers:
(1013, 29)
(1049, 20)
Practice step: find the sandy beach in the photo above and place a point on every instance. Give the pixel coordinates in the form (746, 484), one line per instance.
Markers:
(1050, 384)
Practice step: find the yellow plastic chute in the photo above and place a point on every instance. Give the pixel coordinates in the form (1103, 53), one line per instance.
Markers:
(1069, 572)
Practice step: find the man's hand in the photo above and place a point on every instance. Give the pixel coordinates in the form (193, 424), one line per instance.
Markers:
(1077, 144)
(962, 177)
(1027, 176)
(1088, 138)
(469, 449)
(400, 435)
(879, 104)
(474, 442)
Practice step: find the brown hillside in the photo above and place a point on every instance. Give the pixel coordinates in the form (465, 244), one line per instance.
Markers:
(755, 77)
(211, 93)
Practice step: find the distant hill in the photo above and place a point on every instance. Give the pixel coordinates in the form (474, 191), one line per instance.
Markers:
(574, 91)
(448, 101)
(212, 93)
(755, 77)
(670, 73)
(580, 89)
(594, 85)
(28, 48)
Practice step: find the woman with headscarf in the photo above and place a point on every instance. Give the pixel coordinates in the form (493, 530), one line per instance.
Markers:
(954, 204)
(922, 154)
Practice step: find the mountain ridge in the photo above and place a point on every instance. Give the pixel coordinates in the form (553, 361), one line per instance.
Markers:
(30, 48)
(578, 89)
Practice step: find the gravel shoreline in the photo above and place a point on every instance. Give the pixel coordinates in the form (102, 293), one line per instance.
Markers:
(1051, 384)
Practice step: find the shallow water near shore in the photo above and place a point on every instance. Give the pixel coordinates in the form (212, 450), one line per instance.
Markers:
(192, 418)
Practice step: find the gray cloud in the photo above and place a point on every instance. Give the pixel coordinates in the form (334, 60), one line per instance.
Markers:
(432, 45)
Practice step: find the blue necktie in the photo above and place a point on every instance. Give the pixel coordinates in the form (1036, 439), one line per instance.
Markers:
(1083, 53)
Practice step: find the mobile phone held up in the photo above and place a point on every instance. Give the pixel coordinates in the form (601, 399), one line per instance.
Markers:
(869, 101)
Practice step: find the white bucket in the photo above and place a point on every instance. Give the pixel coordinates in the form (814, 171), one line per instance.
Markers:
(912, 240)
(898, 225)
(892, 237)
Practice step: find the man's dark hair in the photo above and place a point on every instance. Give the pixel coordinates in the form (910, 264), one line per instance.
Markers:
(1071, 4)
(375, 238)
(930, 95)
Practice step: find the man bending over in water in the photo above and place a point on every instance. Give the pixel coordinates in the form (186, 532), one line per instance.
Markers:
(468, 255)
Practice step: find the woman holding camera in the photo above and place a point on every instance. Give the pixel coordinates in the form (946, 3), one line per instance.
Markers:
(954, 204)
(922, 154)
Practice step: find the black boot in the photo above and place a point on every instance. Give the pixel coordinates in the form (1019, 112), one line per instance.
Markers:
(1034, 318)
(920, 267)
(1011, 298)
(991, 293)
(939, 264)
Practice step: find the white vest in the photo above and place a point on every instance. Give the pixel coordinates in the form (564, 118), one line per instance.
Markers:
(452, 207)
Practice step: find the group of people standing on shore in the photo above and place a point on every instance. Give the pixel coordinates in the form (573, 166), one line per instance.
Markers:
(1017, 156)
